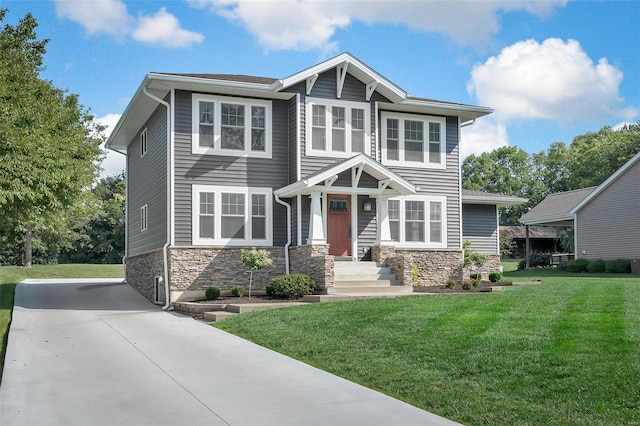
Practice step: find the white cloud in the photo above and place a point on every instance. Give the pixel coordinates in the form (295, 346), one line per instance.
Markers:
(112, 17)
(555, 80)
(483, 136)
(310, 24)
(163, 28)
(103, 16)
(113, 163)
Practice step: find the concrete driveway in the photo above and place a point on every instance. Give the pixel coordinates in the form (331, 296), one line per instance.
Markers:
(95, 352)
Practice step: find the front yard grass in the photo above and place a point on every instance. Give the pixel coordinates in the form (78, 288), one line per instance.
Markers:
(564, 352)
(11, 275)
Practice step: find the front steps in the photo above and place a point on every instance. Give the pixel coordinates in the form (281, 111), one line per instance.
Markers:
(365, 278)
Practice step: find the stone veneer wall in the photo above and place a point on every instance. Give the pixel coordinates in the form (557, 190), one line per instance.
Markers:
(433, 266)
(313, 260)
(193, 269)
(141, 271)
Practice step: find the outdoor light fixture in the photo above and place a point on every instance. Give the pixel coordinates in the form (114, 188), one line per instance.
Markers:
(367, 206)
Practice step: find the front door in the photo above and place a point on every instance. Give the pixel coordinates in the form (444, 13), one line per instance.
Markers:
(339, 225)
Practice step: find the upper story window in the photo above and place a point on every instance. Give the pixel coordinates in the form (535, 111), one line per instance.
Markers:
(413, 140)
(418, 221)
(231, 215)
(337, 128)
(143, 142)
(144, 218)
(231, 126)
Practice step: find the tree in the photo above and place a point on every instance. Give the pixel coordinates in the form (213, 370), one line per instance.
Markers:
(49, 144)
(552, 167)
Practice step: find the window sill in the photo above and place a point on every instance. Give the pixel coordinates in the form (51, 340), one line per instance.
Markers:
(230, 153)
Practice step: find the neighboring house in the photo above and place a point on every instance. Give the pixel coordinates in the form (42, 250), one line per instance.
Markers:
(606, 218)
(543, 239)
(333, 162)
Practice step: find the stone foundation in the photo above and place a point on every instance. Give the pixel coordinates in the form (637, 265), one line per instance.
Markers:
(193, 269)
(141, 271)
(492, 264)
(313, 260)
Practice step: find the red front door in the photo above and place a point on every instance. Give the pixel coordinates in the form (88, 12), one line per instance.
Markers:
(339, 225)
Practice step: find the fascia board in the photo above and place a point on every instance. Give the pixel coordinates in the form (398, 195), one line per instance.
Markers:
(548, 219)
(465, 112)
(499, 201)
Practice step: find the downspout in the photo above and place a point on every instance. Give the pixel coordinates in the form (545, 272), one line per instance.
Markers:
(468, 123)
(165, 262)
(286, 246)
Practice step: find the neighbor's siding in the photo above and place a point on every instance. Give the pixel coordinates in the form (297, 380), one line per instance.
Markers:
(480, 226)
(608, 227)
(198, 169)
(147, 184)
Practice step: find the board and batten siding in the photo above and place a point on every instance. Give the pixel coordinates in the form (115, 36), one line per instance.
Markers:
(480, 227)
(608, 227)
(147, 184)
(243, 172)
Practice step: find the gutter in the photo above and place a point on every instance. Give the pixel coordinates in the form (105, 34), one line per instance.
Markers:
(165, 262)
(286, 246)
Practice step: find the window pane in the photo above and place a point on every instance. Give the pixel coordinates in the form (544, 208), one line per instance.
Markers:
(413, 151)
(206, 112)
(357, 141)
(232, 130)
(338, 139)
(206, 136)
(414, 220)
(395, 230)
(318, 132)
(414, 231)
(233, 204)
(413, 130)
(357, 118)
(258, 124)
(206, 215)
(394, 219)
(206, 227)
(206, 203)
(258, 217)
(434, 152)
(258, 207)
(414, 210)
(232, 220)
(392, 139)
(413, 140)
(319, 116)
(435, 222)
(258, 228)
(318, 137)
(233, 227)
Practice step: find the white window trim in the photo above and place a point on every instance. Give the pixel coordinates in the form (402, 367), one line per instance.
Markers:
(328, 104)
(143, 142)
(217, 191)
(217, 124)
(425, 120)
(427, 222)
(144, 218)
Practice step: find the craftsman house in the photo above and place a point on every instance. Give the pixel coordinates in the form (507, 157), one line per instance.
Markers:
(330, 164)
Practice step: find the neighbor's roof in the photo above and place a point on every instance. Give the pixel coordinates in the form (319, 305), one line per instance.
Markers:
(480, 197)
(538, 232)
(160, 85)
(556, 208)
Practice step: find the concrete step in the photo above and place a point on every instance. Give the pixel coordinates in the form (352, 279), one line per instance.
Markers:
(364, 283)
(217, 316)
(396, 289)
(250, 307)
(363, 276)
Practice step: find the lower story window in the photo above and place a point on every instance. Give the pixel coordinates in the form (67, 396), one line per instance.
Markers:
(418, 221)
(231, 215)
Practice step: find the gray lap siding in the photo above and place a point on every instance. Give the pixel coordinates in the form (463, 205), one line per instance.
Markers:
(199, 169)
(147, 185)
(480, 227)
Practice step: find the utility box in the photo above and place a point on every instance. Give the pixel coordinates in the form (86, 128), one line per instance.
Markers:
(635, 266)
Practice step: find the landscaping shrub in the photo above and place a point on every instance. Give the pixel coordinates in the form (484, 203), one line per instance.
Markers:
(466, 284)
(578, 265)
(451, 283)
(536, 259)
(596, 265)
(212, 293)
(270, 290)
(618, 266)
(563, 266)
(476, 276)
(237, 291)
(292, 285)
(495, 276)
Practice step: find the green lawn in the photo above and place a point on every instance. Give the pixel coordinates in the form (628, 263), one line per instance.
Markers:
(11, 275)
(564, 352)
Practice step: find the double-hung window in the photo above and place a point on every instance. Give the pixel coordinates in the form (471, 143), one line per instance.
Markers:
(413, 140)
(144, 218)
(231, 126)
(418, 221)
(337, 128)
(231, 216)
(143, 142)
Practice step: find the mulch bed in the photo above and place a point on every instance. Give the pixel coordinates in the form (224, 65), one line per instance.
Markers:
(482, 287)
(230, 300)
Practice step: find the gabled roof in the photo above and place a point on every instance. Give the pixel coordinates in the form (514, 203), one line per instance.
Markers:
(480, 197)
(556, 208)
(159, 85)
(604, 185)
(370, 166)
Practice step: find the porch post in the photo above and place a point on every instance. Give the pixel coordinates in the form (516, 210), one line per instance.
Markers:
(316, 224)
(384, 230)
(527, 249)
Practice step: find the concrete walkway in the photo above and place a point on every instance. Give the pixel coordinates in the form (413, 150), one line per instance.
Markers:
(95, 352)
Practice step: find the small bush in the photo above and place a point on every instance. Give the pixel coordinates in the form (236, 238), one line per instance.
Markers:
(237, 291)
(536, 259)
(578, 265)
(292, 285)
(270, 290)
(495, 276)
(476, 276)
(451, 283)
(563, 266)
(618, 266)
(466, 284)
(596, 265)
(212, 293)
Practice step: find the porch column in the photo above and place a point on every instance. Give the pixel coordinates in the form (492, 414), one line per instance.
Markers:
(316, 224)
(384, 230)
(527, 249)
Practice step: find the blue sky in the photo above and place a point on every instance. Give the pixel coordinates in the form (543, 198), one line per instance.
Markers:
(550, 69)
